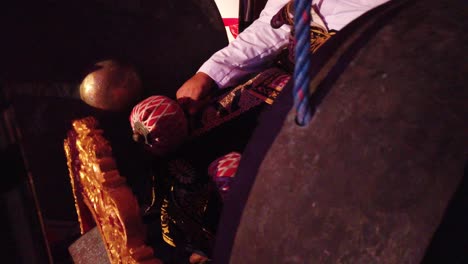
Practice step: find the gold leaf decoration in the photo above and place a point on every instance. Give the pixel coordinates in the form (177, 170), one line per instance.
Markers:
(102, 197)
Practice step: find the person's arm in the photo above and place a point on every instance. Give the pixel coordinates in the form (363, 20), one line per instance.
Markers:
(192, 95)
(251, 51)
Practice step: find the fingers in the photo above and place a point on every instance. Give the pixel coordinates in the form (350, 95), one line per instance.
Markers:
(188, 97)
(193, 94)
(193, 106)
(188, 105)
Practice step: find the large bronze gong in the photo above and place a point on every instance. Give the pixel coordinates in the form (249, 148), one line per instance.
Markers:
(368, 180)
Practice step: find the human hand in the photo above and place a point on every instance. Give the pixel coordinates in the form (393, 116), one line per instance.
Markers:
(193, 94)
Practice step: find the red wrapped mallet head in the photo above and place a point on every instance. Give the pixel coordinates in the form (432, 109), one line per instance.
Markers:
(159, 123)
(223, 170)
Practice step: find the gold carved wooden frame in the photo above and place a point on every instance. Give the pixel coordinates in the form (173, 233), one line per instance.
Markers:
(102, 196)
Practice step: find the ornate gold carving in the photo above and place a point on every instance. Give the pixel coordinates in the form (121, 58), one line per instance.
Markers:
(165, 224)
(96, 183)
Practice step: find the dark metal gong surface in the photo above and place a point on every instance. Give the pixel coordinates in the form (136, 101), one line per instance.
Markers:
(47, 47)
(369, 178)
(56, 42)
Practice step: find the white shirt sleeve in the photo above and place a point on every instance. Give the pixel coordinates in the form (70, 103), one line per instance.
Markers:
(339, 13)
(251, 51)
(258, 45)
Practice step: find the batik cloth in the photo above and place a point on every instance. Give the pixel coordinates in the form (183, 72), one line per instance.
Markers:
(319, 32)
(263, 88)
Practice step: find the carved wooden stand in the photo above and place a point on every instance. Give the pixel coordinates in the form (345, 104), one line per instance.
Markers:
(102, 197)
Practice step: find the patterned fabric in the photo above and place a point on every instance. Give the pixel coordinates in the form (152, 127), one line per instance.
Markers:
(188, 211)
(182, 171)
(263, 88)
(223, 169)
(284, 16)
(319, 32)
(161, 122)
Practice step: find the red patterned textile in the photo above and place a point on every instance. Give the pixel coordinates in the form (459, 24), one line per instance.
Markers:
(223, 169)
(263, 88)
(161, 122)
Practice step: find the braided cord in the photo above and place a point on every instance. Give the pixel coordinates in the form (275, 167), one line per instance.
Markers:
(302, 63)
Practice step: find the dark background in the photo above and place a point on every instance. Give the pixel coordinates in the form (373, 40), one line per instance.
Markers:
(46, 49)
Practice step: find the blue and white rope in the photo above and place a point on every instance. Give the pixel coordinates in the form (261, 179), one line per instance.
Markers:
(302, 19)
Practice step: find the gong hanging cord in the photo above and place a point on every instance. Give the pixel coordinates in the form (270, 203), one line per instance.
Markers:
(301, 75)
